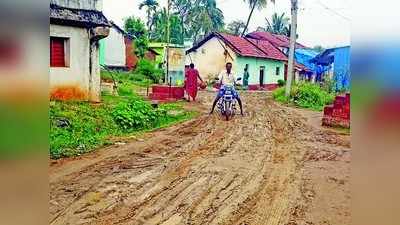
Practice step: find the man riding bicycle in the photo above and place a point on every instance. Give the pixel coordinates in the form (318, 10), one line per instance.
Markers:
(227, 78)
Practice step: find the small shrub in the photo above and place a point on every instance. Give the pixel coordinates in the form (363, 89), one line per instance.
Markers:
(309, 95)
(279, 95)
(306, 95)
(136, 114)
(137, 77)
(149, 70)
(125, 89)
(328, 85)
(281, 83)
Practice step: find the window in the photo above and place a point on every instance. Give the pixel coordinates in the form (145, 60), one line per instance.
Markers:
(278, 71)
(203, 51)
(58, 52)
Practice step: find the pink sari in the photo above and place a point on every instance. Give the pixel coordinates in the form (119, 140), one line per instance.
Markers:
(191, 84)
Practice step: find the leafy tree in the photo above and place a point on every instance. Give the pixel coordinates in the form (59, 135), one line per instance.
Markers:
(188, 19)
(259, 4)
(236, 27)
(148, 69)
(159, 33)
(136, 28)
(183, 8)
(279, 24)
(204, 18)
(151, 7)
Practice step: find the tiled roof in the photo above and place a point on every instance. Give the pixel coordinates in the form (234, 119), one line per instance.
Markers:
(245, 47)
(275, 39)
(268, 49)
(242, 46)
(77, 17)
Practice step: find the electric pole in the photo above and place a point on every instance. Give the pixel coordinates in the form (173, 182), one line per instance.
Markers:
(293, 35)
(168, 39)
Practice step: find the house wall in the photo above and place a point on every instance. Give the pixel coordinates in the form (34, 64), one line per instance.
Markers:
(131, 58)
(210, 58)
(341, 68)
(114, 49)
(160, 56)
(270, 77)
(102, 52)
(75, 81)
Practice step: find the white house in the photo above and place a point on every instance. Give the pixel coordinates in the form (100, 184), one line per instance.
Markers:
(264, 62)
(75, 30)
(114, 48)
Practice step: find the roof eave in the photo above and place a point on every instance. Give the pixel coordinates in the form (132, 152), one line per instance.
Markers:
(75, 23)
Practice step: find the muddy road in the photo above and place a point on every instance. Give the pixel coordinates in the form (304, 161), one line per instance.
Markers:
(270, 167)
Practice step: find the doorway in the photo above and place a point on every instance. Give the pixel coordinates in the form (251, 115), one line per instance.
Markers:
(286, 70)
(262, 75)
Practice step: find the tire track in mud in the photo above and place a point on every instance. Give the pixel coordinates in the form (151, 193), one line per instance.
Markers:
(206, 171)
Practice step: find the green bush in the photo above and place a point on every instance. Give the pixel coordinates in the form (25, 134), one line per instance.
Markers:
(281, 83)
(136, 114)
(149, 70)
(328, 85)
(125, 89)
(279, 95)
(78, 127)
(306, 95)
(137, 77)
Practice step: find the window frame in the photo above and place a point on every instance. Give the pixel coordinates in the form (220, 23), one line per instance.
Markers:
(278, 71)
(66, 48)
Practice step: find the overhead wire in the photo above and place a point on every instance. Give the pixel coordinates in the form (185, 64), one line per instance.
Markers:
(332, 10)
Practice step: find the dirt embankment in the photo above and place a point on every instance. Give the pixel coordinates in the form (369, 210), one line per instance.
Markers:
(269, 167)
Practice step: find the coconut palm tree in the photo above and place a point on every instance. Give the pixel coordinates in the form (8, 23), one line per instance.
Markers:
(151, 7)
(159, 33)
(204, 18)
(182, 7)
(279, 24)
(259, 4)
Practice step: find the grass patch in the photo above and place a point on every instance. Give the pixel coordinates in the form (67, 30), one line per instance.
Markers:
(80, 127)
(305, 95)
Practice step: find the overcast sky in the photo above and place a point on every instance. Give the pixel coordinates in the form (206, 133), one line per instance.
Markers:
(320, 22)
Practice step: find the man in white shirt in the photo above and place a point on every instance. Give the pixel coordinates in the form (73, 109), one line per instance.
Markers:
(227, 78)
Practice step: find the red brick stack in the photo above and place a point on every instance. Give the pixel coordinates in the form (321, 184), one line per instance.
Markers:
(338, 114)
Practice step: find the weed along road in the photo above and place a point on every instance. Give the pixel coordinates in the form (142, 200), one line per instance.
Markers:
(270, 167)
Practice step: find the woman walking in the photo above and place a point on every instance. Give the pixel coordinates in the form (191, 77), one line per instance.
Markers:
(191, 82)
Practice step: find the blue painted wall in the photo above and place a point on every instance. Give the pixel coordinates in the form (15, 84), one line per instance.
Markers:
(341, 68)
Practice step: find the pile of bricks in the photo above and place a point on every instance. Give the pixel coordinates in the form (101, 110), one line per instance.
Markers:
(338, 114)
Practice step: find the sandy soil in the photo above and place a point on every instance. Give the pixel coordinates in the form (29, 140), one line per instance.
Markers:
(273, 166)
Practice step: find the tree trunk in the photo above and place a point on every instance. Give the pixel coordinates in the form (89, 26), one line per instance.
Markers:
(248, 19)
(293, 33)
(148, 22)
(183, 29)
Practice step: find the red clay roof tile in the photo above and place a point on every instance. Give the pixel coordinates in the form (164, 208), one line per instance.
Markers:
(275, 39)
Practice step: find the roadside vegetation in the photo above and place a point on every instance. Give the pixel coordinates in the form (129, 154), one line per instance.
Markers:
(306, 95)
(145, 74)
(80, 127)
